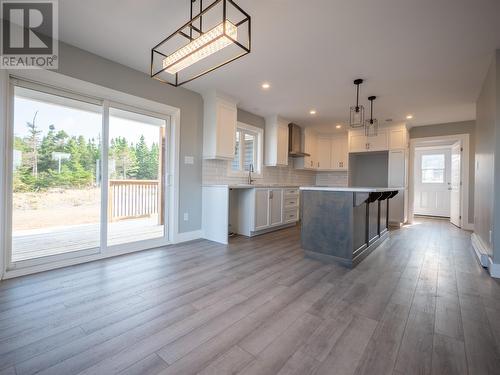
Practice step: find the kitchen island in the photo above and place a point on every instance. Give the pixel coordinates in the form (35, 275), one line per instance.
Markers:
(344, 225)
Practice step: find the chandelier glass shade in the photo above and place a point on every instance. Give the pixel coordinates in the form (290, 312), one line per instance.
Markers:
(357, 117)
(217, 35)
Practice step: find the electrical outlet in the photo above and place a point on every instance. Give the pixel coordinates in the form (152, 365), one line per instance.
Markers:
(186, 216)
(188, 160)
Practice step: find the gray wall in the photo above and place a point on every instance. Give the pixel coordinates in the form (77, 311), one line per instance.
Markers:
(487, 155)
(369, 169)
(83, 65)
(453, 128)
(251, 119)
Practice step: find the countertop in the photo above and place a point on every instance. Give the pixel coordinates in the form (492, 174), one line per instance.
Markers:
(351, 189)
(253, 186)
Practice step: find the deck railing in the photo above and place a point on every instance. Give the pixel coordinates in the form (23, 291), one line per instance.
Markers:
(130, 199)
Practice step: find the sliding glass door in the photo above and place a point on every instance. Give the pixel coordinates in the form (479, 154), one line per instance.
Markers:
(136, 173)
(64, 203)
(55, 193)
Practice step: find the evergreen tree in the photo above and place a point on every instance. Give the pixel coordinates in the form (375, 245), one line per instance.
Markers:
(142, 157)
(124, 157)
(153, 162)
(48, 146)
(33, 141)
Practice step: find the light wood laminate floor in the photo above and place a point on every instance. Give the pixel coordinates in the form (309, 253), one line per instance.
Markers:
(419, 304)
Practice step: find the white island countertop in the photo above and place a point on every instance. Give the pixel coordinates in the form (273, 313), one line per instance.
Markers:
(351, 189)
(252, 186)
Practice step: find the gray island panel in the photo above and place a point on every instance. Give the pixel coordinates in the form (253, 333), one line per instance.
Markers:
(343, 225)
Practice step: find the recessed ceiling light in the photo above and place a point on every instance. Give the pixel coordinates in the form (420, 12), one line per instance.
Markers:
(338, 126)
(409, 117)
(312, 112)
(266, 86)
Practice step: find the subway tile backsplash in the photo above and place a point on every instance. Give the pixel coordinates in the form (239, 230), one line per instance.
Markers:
(216, 172)
(332, 179)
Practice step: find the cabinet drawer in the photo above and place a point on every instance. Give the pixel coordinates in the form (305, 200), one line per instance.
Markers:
(291, 202)
(291, 216)
(291, 192)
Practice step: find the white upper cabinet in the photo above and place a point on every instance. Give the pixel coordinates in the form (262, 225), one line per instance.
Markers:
(340, 155)
(219, 126)
(324, 153)
(276, 142)
(398, 138)
(380, 142)
(357, 141)
(390, 138)
(332, 153)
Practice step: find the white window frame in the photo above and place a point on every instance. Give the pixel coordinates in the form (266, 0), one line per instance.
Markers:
(258, 165)
(53, 82)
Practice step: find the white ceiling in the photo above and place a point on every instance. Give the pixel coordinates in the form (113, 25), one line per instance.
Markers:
(424, 57)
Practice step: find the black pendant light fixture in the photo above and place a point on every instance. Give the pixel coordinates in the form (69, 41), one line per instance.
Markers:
(218, 34)
(371, 125)
(357, 114)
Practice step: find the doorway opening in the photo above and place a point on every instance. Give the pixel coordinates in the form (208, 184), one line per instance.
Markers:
(439, 178)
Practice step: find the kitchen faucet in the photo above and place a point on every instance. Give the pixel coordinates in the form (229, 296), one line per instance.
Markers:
(250, 170)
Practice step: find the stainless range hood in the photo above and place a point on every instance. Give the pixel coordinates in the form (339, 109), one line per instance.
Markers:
(295, 141)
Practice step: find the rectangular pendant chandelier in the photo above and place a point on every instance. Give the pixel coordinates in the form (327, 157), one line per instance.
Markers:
(357, 116)
(216, 36)
(371, 128)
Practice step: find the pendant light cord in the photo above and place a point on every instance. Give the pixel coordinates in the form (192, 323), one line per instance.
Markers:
(357, 97)
(371, 99)
(371, 112)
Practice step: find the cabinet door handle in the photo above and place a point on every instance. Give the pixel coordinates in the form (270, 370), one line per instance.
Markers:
(271, 194)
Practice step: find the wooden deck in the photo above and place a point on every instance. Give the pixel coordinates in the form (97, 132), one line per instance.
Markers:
(31, 244)
(419, 304)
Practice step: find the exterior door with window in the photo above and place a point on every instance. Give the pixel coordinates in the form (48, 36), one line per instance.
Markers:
(456, 184)
(432, 182)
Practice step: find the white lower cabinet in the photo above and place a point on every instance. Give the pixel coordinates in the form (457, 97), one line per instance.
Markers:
(264, 209)
(275, 207)
(261, 215)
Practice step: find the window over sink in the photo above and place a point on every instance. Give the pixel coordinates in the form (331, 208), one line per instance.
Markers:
(247, 150)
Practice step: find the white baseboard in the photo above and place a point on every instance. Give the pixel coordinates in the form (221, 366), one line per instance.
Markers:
(468, 226)
(494, 268)
(188, 236)
(480, 250)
